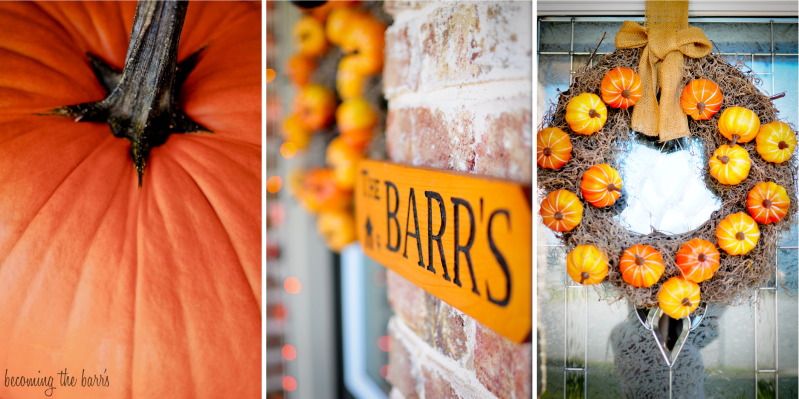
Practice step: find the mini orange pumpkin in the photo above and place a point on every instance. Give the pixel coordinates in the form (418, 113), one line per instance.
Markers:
(776, 142)
(344, 160)
(698, 260)
(317, 191)
(679, 297)
(601, 185)
(561, 210)
(586, 114)
(737, 234)
(767, 202)
(315, 105)
(730, 164)
(739, 124)
(355, 114)
(554, 148)
(587, 264)
(641, 265)
(701, 99)
(299, 68)
(337, 228)
(621, 88)
(309, 35)
(349, 82)
(363, 42)
(294, 131)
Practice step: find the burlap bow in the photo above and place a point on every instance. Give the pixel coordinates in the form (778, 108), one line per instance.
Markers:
(665, 39)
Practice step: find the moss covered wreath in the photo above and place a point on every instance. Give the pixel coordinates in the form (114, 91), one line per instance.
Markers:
(748, 153)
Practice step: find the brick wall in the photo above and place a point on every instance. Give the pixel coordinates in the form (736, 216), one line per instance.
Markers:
(458, 79)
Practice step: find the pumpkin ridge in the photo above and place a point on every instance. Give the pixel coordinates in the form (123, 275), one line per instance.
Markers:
(28, 223)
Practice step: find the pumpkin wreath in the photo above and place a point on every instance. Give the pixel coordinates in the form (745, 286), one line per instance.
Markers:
(747, 151)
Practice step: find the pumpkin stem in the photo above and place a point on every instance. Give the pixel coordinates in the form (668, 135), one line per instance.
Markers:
(547, 151)
(593, 114)
(766, 203)
(724, 159)
(740, 236)
(686, 302)
(584, 276)
(782, 145)
(625, 93)
(142, 101)
(700, 107)
(558, 216)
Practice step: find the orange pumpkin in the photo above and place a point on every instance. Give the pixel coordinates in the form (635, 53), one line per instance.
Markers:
(739, 124)
(344, 160)
(587, 264)
(337, 23)
(621, 88)
(315, 105)
(363, 43)
(601, 185)
(318, 191)
(349, 82)
(299, 69)
(698, 260)
(767, 202)
(730, 164)
(641, 265)
(776, 142)
(554, 148)
(357, 139)
(561, 210)
(701, 99)
(355, 114)
(679, 297)
(309, 34)
(337, 228)
(737, 234)
(98, 273)
(586, 114)
(294, 132)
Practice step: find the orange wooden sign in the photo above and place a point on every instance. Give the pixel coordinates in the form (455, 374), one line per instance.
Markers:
(464, 239)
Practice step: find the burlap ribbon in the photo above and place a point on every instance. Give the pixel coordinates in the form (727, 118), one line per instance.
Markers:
(665, 39)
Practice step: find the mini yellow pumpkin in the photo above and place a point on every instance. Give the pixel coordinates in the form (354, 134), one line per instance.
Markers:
(586, 114)
(679, 297)
(554, 148)
(739, 124)
(587, 264)
(561, 210)
(730, 164)
(776, 142)
(767, 202)
(601, 185)
(641, 265)
(737, 234)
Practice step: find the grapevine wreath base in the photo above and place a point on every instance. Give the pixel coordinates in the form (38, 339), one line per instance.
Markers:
(737, 275)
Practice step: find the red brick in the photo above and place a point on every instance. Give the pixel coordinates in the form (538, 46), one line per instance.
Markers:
(408, 301)
(437, 386)
(401, 368)
(455, 44)
(446, 329)
(503, 367)
(505, 148)
(395, 6)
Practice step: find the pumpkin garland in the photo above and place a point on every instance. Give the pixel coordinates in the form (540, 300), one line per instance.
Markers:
(359, 34)
(749, 156)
